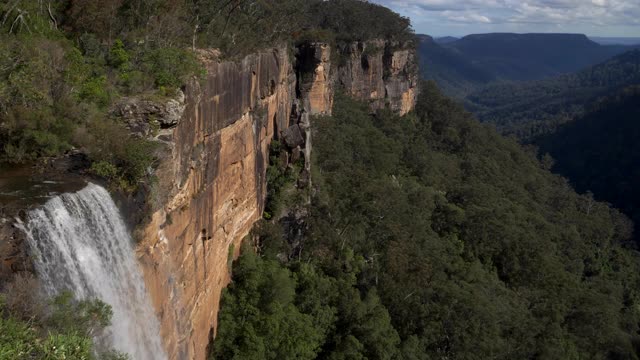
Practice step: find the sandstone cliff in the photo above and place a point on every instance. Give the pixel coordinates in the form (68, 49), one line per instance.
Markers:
(214, 191)
(383, 73)
(212, 187)
(211, 184)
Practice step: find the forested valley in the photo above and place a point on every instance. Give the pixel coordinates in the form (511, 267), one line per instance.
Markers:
(431, 236)
(426, 236)
(598, 151)
(530, 109)
(581, 123)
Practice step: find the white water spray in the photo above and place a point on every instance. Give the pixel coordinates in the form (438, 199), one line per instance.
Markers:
(80, 243)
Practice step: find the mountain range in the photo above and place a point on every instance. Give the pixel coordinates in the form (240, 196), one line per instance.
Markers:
(575, 99)
(464, 65)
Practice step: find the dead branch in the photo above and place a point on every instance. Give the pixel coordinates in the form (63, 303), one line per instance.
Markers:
(6, 15)
(53, 19)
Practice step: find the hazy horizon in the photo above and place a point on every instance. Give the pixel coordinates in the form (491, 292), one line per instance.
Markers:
(595, 18)
(532, 32)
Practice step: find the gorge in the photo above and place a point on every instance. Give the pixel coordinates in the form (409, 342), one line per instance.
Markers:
(270, 179)
(211, 184)
(214, 181)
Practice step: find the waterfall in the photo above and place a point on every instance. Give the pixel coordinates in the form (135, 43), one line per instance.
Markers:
(80, 243)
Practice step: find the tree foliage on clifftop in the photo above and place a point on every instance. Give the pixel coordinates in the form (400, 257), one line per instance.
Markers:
(431, 236)
(64, 64)
(56, 91)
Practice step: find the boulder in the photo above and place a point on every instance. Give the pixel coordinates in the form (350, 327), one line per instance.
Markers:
(144, 116)
(293, 136)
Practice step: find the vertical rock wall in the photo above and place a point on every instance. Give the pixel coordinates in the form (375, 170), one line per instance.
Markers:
(212, 190)
(384, 74)
(211, 187)
(315, 78)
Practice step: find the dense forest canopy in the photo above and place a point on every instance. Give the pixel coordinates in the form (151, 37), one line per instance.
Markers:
(430, 236)
(598, 152)
(530, 109)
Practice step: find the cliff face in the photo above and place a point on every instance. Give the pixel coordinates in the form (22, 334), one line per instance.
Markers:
(383, 73)
(211, 188)
(212, 191)
(315, 78)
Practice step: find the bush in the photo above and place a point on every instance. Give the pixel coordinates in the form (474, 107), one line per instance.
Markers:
(170, 67)
(28, 134)
(63, 330)
(118, 56)
(118, 156)
(105, 169)
(95, 90)
(280, 178)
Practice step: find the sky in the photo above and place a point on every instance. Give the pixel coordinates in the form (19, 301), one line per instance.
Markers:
(607, 18)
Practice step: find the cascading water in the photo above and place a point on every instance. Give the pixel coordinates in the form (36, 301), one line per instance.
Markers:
(80, 243)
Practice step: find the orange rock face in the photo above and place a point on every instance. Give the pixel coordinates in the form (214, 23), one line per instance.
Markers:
(315, 76)
(212, 187)
(382, 73)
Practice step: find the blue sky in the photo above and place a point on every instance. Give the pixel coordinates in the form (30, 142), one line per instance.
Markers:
(462, 17)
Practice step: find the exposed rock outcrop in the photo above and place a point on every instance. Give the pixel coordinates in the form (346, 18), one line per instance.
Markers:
(383, 73)
(146, 116)
(315, 77)
(13, 251)
(212, 188)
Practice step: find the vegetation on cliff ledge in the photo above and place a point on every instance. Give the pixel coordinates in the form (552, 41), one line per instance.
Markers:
(430, 236)
(57, 88)
(64, 64)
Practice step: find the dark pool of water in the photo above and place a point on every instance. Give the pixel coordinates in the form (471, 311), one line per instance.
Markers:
(23, 186)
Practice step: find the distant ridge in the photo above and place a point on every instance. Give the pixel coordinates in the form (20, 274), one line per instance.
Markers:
(529, 109)
(445, 39)
(532, 56)
(465, 65)
(454, 72)
(616, 40)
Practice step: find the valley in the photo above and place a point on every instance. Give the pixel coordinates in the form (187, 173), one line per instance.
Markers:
(282, 179)
(572, 118)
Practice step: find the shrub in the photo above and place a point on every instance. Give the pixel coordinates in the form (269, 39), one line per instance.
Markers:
(117, 156)
(95, 90)
(105, 169)
(170, 67)
(63, 330)
(118, 56)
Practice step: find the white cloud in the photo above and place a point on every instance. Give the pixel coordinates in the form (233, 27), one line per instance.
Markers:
(595, 16)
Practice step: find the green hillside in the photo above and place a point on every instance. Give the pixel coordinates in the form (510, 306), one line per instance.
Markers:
(528, 109)
(431, 236)
(598, 151)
